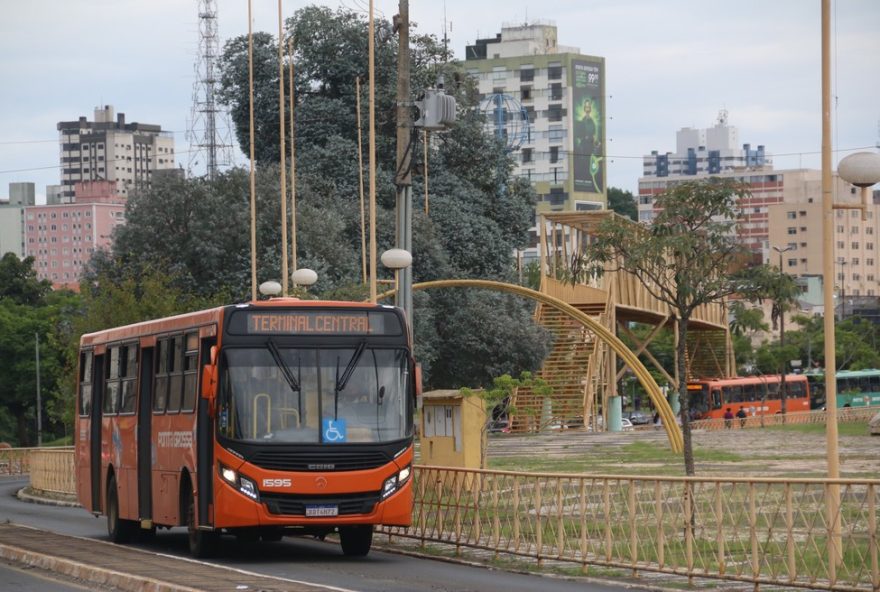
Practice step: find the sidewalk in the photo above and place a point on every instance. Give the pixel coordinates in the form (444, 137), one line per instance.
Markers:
(127, 568)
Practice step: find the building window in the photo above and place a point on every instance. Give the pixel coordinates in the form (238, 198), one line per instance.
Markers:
(840, 228)
(527, 74)
(526, 155)
(791, 215)
(792, 230)
(556, 91)
(841, 244)
(855, 245)
(525, 93)
(869, 246)
(554, 113)
(554, 72)
(792, 262)
(554, 153)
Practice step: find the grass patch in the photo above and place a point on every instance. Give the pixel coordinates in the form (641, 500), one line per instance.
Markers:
(843, 429)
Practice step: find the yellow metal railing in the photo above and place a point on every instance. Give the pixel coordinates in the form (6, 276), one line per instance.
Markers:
(844, 415)
(762, 531)
(52, 470)
(14, 461)
(756, 530)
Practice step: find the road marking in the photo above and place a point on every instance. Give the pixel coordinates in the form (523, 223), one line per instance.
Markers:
(257, 574)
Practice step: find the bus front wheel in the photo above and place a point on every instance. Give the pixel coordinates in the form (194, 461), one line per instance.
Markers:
(120, 530)
(202, 543)
(356, 540)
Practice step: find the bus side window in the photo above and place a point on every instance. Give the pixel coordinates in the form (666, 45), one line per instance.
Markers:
(175, 372)
(795, 389)
(128, 377)
(716, 399)
(161, 381)
(111, 381)
(85, 383)
(865, 384)
(190, 372)
(773, 390)
(874, 383)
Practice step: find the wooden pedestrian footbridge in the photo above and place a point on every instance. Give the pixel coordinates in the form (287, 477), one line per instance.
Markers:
(587, 313)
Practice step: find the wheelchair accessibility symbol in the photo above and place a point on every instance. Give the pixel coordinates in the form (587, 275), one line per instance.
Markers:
(334, 431)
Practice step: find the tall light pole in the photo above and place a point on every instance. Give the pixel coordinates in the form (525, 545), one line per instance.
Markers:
(403, 178)
(39, 397)
(782, 391)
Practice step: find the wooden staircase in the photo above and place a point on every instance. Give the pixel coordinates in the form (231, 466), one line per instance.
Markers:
(573, 370)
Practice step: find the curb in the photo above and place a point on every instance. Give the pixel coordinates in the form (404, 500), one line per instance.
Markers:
(25, 494)
(83, 572)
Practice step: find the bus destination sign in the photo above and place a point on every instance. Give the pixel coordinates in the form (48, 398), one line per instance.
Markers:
(314, 322)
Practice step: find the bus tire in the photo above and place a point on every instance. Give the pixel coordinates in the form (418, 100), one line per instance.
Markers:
(202, 543)
(356, 540)
(120, 531)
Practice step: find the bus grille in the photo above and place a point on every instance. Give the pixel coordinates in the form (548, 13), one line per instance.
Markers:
(295, 505)
(325, 461)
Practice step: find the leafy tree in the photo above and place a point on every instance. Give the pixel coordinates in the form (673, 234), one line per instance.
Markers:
(770, 282)
(18, 280)
(623, 202)
(683, 259)
(198, 231)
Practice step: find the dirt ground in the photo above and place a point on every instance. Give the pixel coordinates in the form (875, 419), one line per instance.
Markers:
(757, 452)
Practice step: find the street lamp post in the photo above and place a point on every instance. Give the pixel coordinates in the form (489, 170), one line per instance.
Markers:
(399, 260)
(782, 391)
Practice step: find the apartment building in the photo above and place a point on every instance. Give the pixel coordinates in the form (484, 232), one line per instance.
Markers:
(547, 103)
(62, 237)
(109, 149)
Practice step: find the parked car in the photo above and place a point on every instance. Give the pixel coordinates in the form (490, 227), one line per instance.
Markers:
(626, 424)
(638, 417)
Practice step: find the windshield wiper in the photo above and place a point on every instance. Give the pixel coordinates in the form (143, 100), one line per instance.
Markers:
(349, 369)
(346, 375)
(285, 371)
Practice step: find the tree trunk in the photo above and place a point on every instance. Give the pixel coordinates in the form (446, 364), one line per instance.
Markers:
(22, 430)
(782, 393)
(681, 349)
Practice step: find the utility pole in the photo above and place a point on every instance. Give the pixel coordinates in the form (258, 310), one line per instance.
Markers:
(403, 176)
(39, 401)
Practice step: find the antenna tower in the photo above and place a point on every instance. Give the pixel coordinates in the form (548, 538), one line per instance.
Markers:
(209, 128)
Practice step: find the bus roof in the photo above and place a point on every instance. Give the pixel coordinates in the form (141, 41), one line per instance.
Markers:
(748, 379)
(207, 317)
(848, 373)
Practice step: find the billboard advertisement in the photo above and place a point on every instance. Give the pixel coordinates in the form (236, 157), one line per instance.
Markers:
(588, 122)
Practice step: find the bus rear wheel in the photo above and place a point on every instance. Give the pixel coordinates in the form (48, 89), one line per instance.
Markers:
(120, 530)
(356, 540)
(202, 543)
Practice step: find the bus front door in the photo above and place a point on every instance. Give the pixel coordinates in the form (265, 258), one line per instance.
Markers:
(144, 436)
(95, 429)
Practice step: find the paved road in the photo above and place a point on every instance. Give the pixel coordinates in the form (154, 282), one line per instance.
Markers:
(15, 578)
(300, 559)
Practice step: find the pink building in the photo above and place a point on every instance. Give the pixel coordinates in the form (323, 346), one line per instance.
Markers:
(62, 237)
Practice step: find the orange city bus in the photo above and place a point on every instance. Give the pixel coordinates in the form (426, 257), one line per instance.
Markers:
(757, 395)
(258, 420)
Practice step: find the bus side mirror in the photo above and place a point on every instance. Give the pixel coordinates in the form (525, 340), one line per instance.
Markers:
(418, 380)
(209, 381)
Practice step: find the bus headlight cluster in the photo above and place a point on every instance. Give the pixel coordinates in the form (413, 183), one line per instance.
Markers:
(395, 482)
(240, 482)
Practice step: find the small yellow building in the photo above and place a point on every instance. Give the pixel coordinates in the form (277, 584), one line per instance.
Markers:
(453, 430)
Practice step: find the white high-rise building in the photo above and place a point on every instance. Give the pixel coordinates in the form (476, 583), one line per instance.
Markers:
(109, 149)
(523, 76)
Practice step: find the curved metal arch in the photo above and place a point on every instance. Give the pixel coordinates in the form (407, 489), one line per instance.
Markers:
(647, 381)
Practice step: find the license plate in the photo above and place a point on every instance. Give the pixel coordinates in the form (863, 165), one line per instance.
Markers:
(322, 510)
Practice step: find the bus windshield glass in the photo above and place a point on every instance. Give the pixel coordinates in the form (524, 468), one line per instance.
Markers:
(311, 396)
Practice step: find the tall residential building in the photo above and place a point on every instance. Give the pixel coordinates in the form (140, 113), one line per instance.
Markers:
(109, 149)
(21, 195)
(62, 237)
(707, 151)
(524, 75)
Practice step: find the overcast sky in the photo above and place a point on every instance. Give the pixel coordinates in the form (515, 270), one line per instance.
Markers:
(670, 64)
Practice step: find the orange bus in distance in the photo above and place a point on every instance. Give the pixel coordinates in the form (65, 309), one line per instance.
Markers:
(257, 420)
(757, 395)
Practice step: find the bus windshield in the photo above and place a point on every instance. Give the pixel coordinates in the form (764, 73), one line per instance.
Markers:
(309, 395)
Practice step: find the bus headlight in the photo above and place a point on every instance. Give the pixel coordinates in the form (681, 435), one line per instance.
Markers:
(240, 482)
(395, 482)
(249, 488)
(390, 486)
